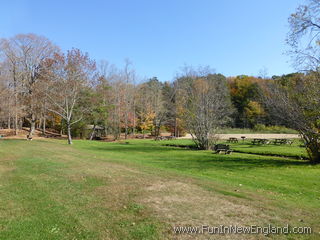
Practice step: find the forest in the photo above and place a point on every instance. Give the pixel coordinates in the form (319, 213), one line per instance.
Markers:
(44, 88)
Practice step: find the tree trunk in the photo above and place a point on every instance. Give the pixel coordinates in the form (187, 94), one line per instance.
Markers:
(9, 122)
(106, 132)
(93, 132)
(312, 143)
(126, 132)
(44, 126)
(157, 130)
(16, 123)
(32, 126)
(134, 122)
(44, 119)
(69, 133)
(126, 124)
(316, 156)
(15, 102)
(175, 127)
(313, 149)
(39, 124)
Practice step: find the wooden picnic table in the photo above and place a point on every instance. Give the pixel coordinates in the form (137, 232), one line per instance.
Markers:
(232, 140)
(219, 148)
(260, 141)
(160, 138)
(282, 141)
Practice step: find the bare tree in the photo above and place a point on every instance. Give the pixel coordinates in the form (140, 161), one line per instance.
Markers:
(298, 103)
(207, 105)
(116, 100)
(6, 101)
(67, 76)
(109, 85)
(151, 102)
(128, 95)
(27, 53)
(298, 106)
(121, 99)
(303, 37)
(12, 74)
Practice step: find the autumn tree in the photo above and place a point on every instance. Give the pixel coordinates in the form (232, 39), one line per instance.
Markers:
(303, 36)
(6, 101)
(297, 105)
(92, 99)
(298, 102)
(304, 40)
(156, 99)
(144, 109)
(244, 92)
(69, 74)
(146, 121)
(26, 54)
(207, 105)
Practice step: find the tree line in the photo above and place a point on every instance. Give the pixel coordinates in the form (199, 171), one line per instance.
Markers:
(41, 87)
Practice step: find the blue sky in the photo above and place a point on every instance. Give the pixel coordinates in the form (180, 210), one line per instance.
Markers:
(160, 36)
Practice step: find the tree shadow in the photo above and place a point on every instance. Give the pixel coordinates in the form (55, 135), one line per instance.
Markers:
(187, 159)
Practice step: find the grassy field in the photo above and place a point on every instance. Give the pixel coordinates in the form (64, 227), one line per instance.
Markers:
(139, 190)
(274, 129)
(245, 146)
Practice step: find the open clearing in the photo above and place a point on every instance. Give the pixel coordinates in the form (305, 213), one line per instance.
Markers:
(251, 135)
(140, 190)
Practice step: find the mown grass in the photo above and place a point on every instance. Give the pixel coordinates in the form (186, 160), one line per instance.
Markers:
(274, 129)
(49, 190)
(252, 171)
(286, 150)
(246, 146)
(44, 196)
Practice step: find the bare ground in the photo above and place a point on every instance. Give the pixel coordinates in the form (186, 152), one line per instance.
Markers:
(178, 201)
(252, 135)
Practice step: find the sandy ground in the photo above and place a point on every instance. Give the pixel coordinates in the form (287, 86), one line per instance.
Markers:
(22, 134)
(251, 136)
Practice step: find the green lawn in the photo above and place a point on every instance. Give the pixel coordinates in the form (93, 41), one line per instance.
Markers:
(274, 129)
(293, 150)
(139, 190)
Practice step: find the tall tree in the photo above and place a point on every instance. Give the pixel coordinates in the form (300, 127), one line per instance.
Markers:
(68, 76)
(244, 93)
(128, 96)
(27, 54)
(92, 98)
(298, 102)
(303, 37)
(207, 105)
(154, 99)
(11, 74)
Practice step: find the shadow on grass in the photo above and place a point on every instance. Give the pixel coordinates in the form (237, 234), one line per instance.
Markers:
(186, 159)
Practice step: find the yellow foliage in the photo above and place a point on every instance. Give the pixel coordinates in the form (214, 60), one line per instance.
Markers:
(254, 109)
(146, 122)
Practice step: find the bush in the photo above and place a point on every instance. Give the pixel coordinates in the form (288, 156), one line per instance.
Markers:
(272, 129)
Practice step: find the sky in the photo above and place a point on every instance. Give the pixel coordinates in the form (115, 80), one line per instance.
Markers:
(161, 36)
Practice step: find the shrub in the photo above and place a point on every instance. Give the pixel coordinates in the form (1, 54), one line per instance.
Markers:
(272, 129)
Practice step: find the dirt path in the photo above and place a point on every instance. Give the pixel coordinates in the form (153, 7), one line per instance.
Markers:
(251, 135)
